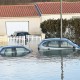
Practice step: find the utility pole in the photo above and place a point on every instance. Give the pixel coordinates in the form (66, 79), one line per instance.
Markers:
(61, 15)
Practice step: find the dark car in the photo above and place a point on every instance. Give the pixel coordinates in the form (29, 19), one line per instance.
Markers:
(20, 33)
(57, 46)
(14, 51)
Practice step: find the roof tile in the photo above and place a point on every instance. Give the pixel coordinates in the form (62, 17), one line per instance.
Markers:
(54, 7)
(17, 11)
(44, 7)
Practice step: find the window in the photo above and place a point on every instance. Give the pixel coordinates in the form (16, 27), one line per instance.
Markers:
(45, 43)
(6, 51)
(65, 44)
(53, 44)
(21, 51)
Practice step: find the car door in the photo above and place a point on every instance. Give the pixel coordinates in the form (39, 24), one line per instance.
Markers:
(6, 52)
(66, 47)
(51, 47)
(21, 51)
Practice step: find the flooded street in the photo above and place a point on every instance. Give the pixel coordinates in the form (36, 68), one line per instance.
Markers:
(36, 66)
(24, 68)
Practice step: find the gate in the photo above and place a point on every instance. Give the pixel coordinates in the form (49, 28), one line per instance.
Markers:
(22, 40)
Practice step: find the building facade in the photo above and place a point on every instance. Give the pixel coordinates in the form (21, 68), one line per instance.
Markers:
(34, 14)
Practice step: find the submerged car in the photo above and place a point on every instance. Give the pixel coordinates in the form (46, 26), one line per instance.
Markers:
(57, 45)
(14, 51)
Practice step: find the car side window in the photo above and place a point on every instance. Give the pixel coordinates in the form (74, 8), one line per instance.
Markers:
(65, 44)
(21, 50)
(6, 51)
(3, 51)
(45, 43)
(53, 43)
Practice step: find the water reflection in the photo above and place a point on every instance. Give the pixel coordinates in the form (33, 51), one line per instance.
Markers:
(52, 54)
(41, 67)
(62, 76)
(62, 55)
(59, 53)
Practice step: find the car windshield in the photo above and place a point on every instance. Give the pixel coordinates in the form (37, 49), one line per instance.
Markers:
(73, 42)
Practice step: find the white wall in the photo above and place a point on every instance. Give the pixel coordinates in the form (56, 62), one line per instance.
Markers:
(34, 24)
(15, 26)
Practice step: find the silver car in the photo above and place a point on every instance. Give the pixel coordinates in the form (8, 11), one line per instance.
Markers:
(57, 45)
(14, 51)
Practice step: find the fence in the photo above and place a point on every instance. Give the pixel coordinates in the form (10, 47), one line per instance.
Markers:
(24, 40)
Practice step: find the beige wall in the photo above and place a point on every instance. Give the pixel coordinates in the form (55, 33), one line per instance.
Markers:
(34, 24)
(57, 16)
(2, 28)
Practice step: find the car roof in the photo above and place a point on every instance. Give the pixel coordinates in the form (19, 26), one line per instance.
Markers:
(11, 46)
(48, 39)
(63, 39)
(20, 33)
(56, 39)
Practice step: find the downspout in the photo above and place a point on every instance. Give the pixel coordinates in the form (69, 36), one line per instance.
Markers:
(40, 14)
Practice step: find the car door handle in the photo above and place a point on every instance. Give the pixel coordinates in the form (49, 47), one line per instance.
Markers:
(73, 49)
(48, 48)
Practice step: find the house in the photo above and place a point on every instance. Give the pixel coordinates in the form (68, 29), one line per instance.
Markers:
(50, 10)
(10, 15)
(33, 14)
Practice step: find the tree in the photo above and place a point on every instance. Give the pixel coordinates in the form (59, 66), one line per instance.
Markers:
(75, 24)
(51, 27)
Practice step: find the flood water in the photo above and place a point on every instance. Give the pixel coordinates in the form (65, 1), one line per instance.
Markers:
(40, 67)
(36, 66)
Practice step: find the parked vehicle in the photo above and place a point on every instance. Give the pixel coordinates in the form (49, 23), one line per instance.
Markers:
(58, 45)
(20, 33)
(14, 51)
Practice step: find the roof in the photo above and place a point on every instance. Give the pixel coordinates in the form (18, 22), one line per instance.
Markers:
(38, 9)
(18, 11)
(54, 7)
(60, 39)
(56, 39)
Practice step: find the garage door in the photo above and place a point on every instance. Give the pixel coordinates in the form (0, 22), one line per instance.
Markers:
(16, 26)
